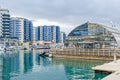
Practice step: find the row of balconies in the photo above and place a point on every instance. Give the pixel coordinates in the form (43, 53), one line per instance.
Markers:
(5, 20)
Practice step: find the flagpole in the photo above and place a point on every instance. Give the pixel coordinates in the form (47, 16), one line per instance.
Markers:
(115, 57)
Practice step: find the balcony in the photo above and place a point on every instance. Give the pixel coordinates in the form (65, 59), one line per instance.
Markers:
(5, 25)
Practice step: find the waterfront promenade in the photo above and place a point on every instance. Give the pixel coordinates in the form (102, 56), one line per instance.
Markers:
(106, 54)
(113, 67)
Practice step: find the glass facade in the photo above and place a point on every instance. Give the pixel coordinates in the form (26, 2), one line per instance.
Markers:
(48, 33)
(28, 30)
(57, 34)
(22, 29)
(5, 25)
(15, 28)
(62, 37)
(92, 35)
(37, 33)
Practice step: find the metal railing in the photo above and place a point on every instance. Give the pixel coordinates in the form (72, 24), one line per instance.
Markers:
(86, 52)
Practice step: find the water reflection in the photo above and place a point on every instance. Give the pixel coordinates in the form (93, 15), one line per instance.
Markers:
(14, 63)
(77, 69)
(28, 65)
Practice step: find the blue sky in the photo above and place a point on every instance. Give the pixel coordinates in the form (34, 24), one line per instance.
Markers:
(66, 13)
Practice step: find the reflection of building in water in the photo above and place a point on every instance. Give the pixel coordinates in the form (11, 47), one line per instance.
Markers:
(78, 69)
(10, 64)
(28, 61)
(36, 58)
(45, 61)
(15, 62)
(21, 57)
(1, 67)
(20, 62)
(25, 61)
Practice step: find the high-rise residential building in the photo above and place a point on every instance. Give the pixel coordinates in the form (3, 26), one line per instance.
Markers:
(37, 33)
(21, 28)
(28, 30)
(48, 33)
(57, 33)
(62, 37)
(34, 33)
(17, 28)
(4, 23)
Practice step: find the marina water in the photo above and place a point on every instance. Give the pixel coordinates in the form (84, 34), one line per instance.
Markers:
(28, 65)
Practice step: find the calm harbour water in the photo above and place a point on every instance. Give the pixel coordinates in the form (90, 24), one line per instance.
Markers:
(28, 65)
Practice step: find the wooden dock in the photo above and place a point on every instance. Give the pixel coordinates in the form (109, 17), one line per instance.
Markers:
(112, 67)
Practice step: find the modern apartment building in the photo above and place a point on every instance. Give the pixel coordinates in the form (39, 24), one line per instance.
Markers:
(34, 33)
(37, 33)
(62, 37)
(28, 30)
(21, 28)
(17, 28)
(48, 33)
(4, 23)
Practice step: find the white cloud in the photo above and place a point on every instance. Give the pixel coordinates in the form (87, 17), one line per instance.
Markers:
(63, 27)
(65, 13)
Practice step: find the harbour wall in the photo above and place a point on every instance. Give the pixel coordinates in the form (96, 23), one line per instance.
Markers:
(102, 54)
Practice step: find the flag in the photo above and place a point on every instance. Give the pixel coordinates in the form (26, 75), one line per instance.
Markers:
(111, 22)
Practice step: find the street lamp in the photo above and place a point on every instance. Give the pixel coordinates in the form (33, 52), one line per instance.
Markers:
(115, 57)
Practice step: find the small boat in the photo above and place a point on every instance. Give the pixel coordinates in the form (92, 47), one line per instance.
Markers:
(44, 54)
(9, 48)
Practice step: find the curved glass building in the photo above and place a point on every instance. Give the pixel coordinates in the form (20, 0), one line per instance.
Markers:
(93, 35)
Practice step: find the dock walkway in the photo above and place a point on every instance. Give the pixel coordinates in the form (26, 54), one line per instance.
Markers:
(110, 67)
(101, 54)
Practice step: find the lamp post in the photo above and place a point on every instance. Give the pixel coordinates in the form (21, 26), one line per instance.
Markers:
(115, 57)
